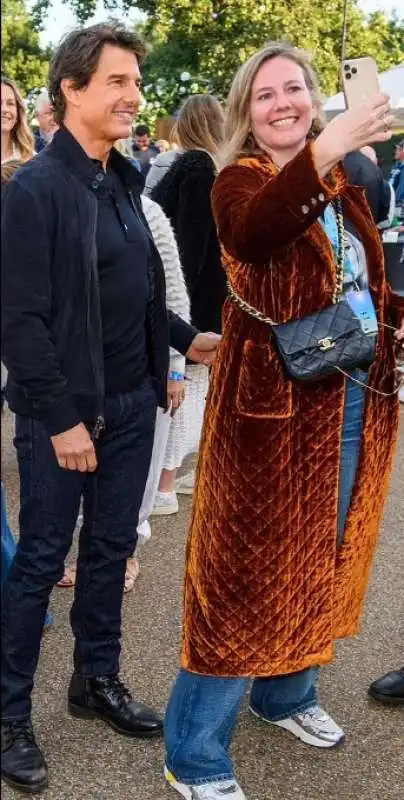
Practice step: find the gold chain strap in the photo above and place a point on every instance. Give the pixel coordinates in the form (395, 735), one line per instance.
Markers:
(371, 388)
(253, 312)
(339, 283)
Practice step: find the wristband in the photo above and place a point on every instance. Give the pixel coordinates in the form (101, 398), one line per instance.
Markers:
(173, 375)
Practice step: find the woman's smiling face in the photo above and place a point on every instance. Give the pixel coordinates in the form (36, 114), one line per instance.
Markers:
(281, 107)
(9, 112)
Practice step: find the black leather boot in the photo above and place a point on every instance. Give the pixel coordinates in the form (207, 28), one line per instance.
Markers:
(389, 689)
(107, 698)
(22, 764)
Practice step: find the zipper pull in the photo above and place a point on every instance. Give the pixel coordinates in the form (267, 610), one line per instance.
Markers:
(99, 427)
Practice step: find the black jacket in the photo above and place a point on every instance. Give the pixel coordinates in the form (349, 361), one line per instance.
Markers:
(52, 336)
(361, 171)
(184, 195)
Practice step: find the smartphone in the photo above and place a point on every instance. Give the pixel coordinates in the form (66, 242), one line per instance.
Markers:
(360, 80)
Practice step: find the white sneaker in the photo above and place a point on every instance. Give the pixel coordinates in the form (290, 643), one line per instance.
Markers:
(165, 503)
(220, 790)
(185, 485)
(313, 726)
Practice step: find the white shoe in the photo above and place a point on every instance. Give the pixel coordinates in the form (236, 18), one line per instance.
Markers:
(219, 790)
(185, 485)
(165, 503)
(313, 726)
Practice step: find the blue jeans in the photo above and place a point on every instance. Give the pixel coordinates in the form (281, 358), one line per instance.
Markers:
(50, 501)
(202, 710)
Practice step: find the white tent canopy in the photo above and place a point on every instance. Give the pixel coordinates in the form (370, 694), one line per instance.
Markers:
(391, 82)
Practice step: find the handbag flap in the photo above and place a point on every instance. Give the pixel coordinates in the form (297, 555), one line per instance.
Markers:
(334, 322)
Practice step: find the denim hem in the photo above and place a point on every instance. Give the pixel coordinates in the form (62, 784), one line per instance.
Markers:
(279, 717)
(200, 781)
(105, 673)
(15, 718)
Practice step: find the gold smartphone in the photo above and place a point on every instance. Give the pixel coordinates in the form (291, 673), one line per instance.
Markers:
(360, 80)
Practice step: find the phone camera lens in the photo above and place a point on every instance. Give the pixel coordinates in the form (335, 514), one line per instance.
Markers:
(354, 70)
(346, 67)
(348, 76)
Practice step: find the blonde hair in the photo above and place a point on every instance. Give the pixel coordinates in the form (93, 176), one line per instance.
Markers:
(124, 147)
(238, 137)
(21, 135)
(9, 168)
(200, 125)
(163, 145)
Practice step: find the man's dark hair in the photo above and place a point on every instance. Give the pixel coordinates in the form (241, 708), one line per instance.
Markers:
(142, 130)
(78, 54)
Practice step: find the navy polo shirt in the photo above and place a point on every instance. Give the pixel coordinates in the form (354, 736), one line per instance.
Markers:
(123, 253)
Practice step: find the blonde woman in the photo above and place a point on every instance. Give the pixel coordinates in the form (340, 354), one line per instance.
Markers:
(17, 141)
(184, 195)
(292, 477)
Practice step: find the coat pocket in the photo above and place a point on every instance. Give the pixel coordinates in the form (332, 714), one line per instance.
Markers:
(264, 390)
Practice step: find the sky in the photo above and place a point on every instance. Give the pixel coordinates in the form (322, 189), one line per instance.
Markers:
(61, 19)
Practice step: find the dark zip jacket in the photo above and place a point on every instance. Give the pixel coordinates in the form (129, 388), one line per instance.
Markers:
(51, 318)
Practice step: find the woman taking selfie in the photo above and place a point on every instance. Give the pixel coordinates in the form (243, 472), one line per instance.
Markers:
(296, 455)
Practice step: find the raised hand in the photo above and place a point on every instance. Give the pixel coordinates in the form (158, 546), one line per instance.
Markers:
(368, 123)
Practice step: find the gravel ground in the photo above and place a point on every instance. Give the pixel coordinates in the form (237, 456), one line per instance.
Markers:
(88, 761)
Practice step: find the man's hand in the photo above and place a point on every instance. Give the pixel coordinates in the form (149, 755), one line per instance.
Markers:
(74, 449)
(203, 348)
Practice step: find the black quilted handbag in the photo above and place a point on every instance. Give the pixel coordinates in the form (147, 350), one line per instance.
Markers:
(313, 347)
(331, 339)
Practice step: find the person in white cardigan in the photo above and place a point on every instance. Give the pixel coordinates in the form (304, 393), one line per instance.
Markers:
(178, 430)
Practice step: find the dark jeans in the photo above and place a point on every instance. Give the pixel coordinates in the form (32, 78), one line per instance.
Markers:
(50, 501)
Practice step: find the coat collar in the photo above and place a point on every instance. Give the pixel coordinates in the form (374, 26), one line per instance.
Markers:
(67, 149)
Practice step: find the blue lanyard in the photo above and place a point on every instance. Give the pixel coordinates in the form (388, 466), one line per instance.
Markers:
(330, 227)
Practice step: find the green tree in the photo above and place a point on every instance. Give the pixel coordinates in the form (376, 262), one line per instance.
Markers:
(22, 57)
(215, 36)
(210, 38)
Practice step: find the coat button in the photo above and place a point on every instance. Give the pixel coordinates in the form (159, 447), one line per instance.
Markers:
(95, 184)
(100, 176)
(305, 209)
(314, 201)
(321, 197)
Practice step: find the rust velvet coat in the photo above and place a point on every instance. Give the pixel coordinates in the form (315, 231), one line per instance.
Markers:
(266, 589)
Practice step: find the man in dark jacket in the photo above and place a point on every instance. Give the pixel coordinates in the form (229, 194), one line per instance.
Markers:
(362, 170)
(85, 340)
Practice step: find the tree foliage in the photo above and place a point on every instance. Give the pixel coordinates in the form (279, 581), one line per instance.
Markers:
(22, 57)
(218, 35)
(209, 39)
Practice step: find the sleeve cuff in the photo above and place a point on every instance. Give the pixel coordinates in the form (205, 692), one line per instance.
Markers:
(60, 418)
(310, 196)
(181, 334)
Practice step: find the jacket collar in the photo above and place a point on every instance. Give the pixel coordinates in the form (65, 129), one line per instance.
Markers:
(67, 149)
